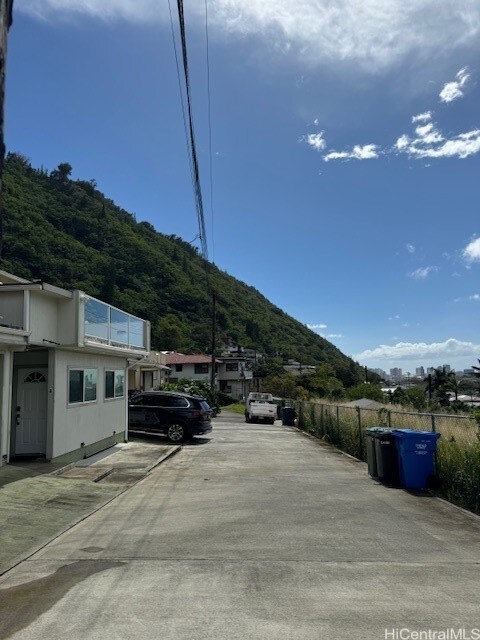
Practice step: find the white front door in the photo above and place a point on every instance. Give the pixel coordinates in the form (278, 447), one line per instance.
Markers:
(30, 412)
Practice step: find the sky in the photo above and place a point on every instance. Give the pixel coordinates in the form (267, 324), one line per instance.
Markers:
(344, 147)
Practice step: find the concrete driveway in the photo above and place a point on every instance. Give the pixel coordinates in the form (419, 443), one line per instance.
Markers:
(254, 532)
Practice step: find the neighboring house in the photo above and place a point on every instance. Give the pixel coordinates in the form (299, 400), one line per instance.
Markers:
(148, 374)
(63, 362)
(233, 373)
(298, 369)
(192, 367)
(235, 376)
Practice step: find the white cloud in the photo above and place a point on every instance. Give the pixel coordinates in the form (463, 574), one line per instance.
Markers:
(373, 33)
(471, 253)
(317, 326)
(334, 335)
(475, 297)
(453, 90)
(422, 272)
(430, 143)
(422, 117)
(315, 140)
(365, 152)
(420, 350)
(410, 248)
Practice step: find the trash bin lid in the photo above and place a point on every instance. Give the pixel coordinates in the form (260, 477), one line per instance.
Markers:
(412, 434)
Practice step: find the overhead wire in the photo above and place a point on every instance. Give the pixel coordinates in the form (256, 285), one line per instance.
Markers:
(193, 148)
(210, 154)
(182, 100)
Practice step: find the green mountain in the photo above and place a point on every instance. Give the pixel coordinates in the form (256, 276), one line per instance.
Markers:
(68, 233)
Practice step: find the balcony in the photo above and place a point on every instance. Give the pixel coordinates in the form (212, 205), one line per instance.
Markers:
(107, 325)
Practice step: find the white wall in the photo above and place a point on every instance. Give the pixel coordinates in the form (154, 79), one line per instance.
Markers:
(87, 423)
(43, 318)
(189, 372)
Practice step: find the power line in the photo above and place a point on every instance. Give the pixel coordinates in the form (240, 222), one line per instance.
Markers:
(193, 148)
(207, 40)
(182, 101)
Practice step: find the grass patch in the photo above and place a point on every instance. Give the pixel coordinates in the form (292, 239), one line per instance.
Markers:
(236, 407)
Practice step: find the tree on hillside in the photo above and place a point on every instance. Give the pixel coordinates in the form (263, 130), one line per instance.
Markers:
(269, 367)
(63, 172)
(6, 9)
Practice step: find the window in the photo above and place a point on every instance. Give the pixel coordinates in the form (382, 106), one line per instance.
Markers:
(201, 368)
(115, 384)
(82, 385)
(177, 401)
(179, 367)
(231, 366)
(35, 376)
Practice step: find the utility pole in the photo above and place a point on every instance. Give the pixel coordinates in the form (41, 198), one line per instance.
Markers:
(214, 340)
(6, 8)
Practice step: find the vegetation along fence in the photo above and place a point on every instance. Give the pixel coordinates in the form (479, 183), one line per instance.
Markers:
(458, 449)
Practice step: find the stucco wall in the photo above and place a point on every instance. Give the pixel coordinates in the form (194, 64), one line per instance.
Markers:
(90, 422)
(43, 318)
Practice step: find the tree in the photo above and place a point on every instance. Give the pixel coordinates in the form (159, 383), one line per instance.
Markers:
(283, 385)
(269, 367)
(6, 8)
(438, 385)
(63, 172)
(370, 391)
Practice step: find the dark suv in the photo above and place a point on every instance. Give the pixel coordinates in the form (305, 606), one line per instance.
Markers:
(177, 415)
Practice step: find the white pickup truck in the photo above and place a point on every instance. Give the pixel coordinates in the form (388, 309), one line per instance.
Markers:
(260, 407)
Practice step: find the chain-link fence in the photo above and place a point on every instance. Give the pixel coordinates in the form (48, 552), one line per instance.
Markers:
(458, 450)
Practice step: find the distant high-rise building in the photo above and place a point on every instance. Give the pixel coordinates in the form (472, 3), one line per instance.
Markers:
(447, 368)
(396, 373)
(431, 370)
(420, 372)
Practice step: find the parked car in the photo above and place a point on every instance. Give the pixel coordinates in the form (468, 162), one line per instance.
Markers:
(178, 415)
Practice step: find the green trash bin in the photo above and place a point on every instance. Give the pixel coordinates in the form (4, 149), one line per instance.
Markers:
(387, 458)
(288, 416)
(370, 446)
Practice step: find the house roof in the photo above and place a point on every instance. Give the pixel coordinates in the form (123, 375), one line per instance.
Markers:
(365, 403)
(180, 358)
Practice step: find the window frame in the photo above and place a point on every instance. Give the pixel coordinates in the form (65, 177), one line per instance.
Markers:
(205, 368)
(115, 372)
(76, 403)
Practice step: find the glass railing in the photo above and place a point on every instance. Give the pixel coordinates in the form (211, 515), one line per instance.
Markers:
(107, 325)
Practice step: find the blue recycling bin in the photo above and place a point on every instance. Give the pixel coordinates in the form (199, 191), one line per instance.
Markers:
(416, 456)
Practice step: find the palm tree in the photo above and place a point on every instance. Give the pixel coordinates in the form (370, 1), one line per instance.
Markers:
(439, 382)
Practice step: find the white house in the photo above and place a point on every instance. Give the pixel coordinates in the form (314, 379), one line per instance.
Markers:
(233, 374)
(64, 357)
(192, 367)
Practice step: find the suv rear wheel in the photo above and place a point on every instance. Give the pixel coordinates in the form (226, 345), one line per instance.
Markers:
(176, 432)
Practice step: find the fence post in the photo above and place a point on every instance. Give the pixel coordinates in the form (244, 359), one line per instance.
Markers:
(389, 419)
(322, 423)
(432, 417)
(360, 435)
(338, 424)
